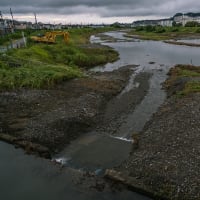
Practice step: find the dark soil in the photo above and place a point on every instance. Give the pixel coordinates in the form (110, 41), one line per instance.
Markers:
(166, 164)
(44, 121)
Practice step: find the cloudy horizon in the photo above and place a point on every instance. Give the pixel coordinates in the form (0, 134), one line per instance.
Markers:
(93, 11)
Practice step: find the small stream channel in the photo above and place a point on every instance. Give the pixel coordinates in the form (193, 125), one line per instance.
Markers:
(27, 177)
(96, 152)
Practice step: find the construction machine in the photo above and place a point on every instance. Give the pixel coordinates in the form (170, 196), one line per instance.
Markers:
(50, 37)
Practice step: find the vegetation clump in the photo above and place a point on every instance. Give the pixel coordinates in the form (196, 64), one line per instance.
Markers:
(183, 80)
(165, 33)
(42, 65)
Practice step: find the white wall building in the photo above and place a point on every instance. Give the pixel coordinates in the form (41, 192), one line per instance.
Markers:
(166, 22)
(184, 18)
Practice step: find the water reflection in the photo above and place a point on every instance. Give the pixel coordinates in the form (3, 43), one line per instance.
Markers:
(155, 57)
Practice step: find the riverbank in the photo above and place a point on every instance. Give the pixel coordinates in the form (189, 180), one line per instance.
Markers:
(165, 164)
(183, 43)
(45, 120)
(164, 33)
(43, 65)
(99, 103)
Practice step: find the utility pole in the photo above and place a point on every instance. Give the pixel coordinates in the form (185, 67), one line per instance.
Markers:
(1, 16)
(13, 26)
(3, 24)
(36, 24)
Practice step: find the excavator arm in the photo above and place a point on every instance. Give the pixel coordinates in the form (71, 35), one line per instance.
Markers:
(50, 37)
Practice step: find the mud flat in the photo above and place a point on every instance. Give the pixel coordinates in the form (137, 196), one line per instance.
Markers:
(166, 163)
(44, 121)
(183, 43)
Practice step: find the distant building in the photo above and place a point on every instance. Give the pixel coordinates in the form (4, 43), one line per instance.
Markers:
(20, 26)
(181, 18)
(57, 26)
(165, 22)
(145, 23)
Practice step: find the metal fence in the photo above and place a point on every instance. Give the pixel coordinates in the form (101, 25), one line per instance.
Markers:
(14, 44)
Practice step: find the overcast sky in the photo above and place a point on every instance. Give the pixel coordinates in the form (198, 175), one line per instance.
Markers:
(95, 11)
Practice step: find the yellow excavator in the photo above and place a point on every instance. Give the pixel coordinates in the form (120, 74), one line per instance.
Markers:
(50, 37)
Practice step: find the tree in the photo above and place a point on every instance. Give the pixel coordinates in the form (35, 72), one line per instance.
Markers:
(192, 24)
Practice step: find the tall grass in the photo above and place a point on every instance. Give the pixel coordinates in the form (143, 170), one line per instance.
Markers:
(34, 75)
(40, 65)
(164, 33)
(181, 71)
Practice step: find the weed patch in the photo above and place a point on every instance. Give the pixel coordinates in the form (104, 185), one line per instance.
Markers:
(43, 65)
(184, 79)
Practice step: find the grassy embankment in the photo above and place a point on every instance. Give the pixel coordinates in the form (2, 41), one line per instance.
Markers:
(164, 33)
(43, 65)
(188, 76)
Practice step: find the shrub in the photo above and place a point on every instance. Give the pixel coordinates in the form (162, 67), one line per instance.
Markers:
(192, 24)
(150, 28)
(139, 28)
(160, 30)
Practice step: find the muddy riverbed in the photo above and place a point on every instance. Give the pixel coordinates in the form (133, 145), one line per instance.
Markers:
(67, 124)
(87, 124)
(49, 119)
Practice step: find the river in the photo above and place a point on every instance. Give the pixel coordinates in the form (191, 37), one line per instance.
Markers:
(27, 177)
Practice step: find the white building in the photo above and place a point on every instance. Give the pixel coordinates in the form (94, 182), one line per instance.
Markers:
(184, 18)
(165, 22)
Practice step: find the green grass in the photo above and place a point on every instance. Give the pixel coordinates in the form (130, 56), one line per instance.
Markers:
(76, 52)
(6, 39)
(190, 87)
(188, 73)
(180, 71)
(163, 33)
(43, 65)
(34, 75)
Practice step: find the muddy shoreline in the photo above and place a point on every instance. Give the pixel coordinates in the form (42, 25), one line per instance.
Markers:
(182, 43)
(43, 122)
(166, 163)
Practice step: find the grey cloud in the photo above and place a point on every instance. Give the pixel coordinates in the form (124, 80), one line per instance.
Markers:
(104, 8)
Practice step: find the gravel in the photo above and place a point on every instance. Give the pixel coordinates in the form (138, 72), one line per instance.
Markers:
(167, 162)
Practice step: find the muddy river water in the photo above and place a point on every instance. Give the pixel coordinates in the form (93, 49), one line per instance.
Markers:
(27, 177)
